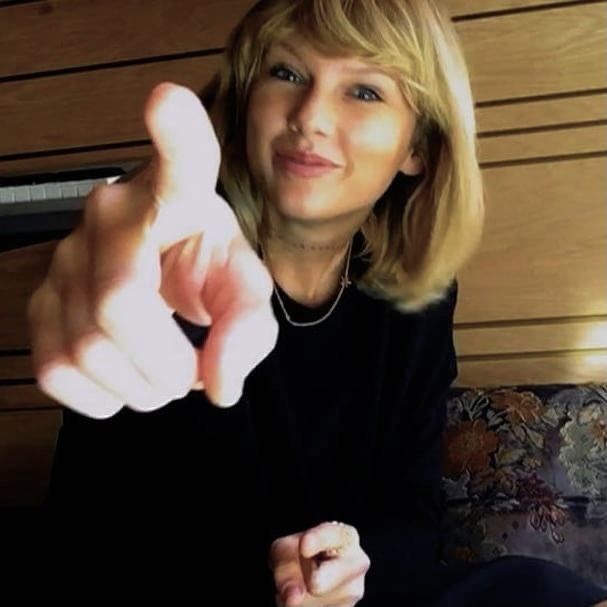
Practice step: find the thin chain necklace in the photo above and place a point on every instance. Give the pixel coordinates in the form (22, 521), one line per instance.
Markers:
(345, 281)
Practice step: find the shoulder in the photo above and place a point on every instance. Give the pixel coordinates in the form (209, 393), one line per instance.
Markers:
(436, 315)
(421, 343)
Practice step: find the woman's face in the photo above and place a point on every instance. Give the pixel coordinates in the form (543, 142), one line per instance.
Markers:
(359, 121)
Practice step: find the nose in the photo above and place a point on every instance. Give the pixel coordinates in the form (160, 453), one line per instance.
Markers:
(313, 114)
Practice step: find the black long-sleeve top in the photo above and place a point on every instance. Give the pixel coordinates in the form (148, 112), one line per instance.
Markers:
(341, 421)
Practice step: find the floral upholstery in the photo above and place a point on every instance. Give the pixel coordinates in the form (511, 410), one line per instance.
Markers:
(525, 472)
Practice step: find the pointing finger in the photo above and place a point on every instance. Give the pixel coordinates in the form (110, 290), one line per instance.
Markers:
(240, 316)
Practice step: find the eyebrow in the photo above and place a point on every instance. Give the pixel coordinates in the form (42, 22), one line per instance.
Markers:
(353, 70)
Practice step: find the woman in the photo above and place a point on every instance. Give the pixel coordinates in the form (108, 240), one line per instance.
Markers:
(321, 483)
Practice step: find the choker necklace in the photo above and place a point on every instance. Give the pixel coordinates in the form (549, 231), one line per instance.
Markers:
(345, 282)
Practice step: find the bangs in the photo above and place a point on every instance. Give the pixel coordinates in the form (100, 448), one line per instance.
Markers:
(350, 29)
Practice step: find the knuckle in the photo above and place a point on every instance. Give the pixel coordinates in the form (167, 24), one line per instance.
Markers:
(94, 202)
(85, 349)
(366, 564)
(100, 193)
(109, 299)
(99, 204)
(62, 251)
(275, 549)
(278, 553)
(60, 263)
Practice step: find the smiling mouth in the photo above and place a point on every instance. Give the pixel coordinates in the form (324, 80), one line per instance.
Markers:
(298, 169)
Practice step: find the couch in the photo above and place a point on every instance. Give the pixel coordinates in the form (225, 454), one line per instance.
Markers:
(525, 472)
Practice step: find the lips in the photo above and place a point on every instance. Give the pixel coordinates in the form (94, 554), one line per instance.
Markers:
(306, 158)
(298, 170)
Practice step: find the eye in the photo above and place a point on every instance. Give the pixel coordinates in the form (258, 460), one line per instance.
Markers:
(276, 69)
(368, 90)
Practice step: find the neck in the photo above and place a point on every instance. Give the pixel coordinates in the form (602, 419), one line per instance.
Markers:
(308, 270)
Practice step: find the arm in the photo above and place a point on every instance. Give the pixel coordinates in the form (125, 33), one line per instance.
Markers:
(107, 463)
(402, 535)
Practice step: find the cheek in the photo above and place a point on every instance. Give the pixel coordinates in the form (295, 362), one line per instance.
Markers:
(263, 119)
(376, 138)
(259, 128)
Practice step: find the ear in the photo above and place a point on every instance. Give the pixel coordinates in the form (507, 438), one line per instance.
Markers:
(412, 165)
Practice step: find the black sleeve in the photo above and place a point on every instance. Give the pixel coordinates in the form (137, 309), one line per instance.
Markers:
(403, 536)
(89, 469)
(131, 458)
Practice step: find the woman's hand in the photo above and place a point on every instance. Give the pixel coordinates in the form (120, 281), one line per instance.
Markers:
(101, 323)
(322, 567)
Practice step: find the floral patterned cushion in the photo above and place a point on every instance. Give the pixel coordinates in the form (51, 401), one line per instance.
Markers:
(525, 472)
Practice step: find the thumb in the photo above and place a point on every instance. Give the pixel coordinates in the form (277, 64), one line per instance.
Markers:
(185, 165)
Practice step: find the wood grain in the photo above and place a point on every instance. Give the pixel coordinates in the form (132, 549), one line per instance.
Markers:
(590, 139)
(75, 159)
(572, 368)
(545, 52)
(558, 113)
(543, 250)
(550, 336)
(15, 367)
(467, 8)
(80, 34)
(21, 272)
(90, 108)
(27, 396)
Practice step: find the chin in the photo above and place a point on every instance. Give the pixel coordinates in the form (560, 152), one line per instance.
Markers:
(301, 208)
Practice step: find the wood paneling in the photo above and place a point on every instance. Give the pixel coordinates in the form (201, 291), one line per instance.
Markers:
(79, 33)
(547, 52)
(21, 272)
(90, 108)
(543, 250)
(550, 336)
(75, 159)
(529, 145)
(26, 396)
(466, 8)
(556, 113)
(572, 368)
(27, 443)
(16, 367)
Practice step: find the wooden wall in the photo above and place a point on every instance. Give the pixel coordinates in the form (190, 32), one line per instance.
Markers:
(74, 75)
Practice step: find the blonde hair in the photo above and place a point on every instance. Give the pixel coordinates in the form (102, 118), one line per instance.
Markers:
(423, 229)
